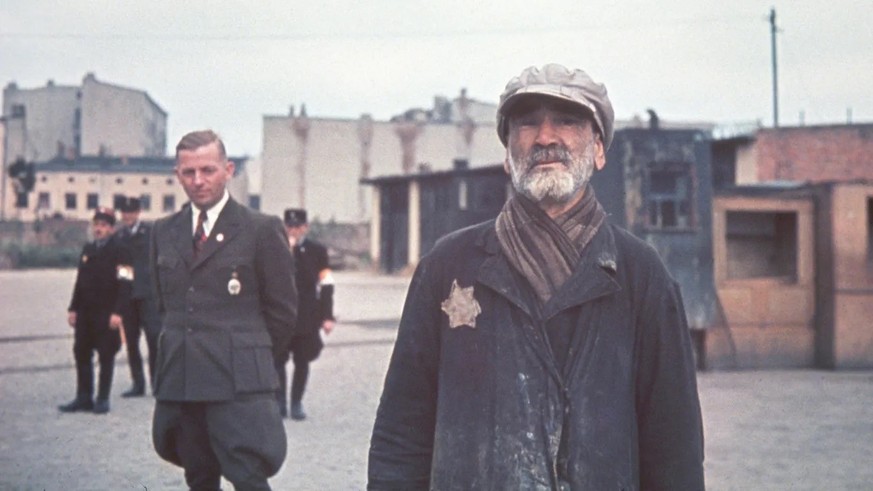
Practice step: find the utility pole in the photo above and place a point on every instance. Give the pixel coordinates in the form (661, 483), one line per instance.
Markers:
(773, 57)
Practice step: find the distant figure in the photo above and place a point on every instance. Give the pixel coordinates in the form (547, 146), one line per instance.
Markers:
(142, 314)
(546, 349)
(314, 310)
(224, 276)
(100, 296)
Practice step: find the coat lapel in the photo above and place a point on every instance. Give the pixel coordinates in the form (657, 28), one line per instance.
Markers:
(496, 274)
(183, 236)
(226, 228)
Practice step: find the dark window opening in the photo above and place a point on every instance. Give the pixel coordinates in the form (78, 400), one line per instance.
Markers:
(70, 201)
(668, 195)
(91, 201)
(762, 245)
(145, 202)
(169, 203)
(117, 200)
(43, 201)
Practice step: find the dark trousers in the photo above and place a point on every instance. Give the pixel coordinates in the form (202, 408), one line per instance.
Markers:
(142, 317)
(242, 439)
(298, 383)
(93, 334)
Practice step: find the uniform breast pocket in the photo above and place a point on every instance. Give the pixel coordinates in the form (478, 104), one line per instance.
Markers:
(234, 278)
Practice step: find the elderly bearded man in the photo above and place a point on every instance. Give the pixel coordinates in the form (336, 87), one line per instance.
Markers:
(547, 349)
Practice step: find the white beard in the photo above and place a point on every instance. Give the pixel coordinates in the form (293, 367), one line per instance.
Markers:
(556, 184)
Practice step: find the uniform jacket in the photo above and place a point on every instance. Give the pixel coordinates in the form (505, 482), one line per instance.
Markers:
(225, 312)
(315, 299)
(488, 407)
(99, 286)
(138, 245)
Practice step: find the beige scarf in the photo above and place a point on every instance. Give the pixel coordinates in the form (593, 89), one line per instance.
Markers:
(543, 250)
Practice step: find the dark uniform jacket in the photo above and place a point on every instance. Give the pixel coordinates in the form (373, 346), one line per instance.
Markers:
(138, 245)
(315, 299)
(226, 312)
(100, 283)
(490, 407)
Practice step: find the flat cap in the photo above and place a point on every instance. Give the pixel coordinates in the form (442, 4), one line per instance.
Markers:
(105, 214)
(558, 81)
(295, 217)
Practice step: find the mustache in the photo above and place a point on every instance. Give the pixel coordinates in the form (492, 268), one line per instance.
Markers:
(550, 153)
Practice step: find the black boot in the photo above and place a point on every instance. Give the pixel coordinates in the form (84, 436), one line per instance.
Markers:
(297, 412)
(138, 390)
(101, 406)
(80, 403)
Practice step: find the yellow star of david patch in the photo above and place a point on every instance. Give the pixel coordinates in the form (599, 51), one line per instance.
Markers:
(461, 306)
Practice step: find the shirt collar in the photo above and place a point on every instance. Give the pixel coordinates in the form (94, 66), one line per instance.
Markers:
(211, 214)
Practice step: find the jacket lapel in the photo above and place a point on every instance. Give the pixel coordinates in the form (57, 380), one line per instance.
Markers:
(183, 236)
(226, 228)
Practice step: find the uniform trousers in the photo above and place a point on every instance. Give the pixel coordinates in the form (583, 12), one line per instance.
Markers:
(93, 334)
(141, 317)
(242, 439)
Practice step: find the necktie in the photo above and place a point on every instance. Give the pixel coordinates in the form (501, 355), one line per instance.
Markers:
(199, 233)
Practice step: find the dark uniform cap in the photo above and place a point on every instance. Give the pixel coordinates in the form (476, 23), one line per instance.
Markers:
(295, 217)
(557, 81)
(105, 214)
(129, 203)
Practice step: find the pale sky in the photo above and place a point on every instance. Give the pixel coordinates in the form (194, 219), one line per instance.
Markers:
(224, 64)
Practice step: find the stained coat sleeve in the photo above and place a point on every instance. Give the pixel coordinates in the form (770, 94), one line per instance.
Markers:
(275, 269)
(401, 446)
(669, 419)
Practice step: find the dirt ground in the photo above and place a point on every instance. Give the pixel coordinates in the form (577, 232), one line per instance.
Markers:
(773, 430)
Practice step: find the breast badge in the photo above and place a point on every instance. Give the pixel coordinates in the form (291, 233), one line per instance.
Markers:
(461, 306)
(234, 286)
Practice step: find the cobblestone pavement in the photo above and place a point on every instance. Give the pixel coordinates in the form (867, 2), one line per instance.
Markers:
(798, 430)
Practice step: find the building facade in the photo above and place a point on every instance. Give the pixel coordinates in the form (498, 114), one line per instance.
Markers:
(74, 188)
(67, 122)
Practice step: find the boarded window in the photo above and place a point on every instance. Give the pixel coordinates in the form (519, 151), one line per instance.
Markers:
(762, 245)
(668, 195)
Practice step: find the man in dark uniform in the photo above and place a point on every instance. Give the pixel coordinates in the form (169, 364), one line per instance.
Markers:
(314, 310)
(142, 314)
(224, 278)
(101, 294)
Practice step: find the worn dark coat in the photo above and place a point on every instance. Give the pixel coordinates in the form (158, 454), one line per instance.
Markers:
(214, 344)
(489, 407)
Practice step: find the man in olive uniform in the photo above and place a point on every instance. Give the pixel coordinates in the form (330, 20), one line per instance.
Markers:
(101, 294)
(225, 290)
(142, 314)
(314, 310)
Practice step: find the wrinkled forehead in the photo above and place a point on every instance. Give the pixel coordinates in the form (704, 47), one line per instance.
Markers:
(533, 103)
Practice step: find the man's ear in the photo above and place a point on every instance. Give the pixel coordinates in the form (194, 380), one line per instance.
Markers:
(506, 163)
(599, 153)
